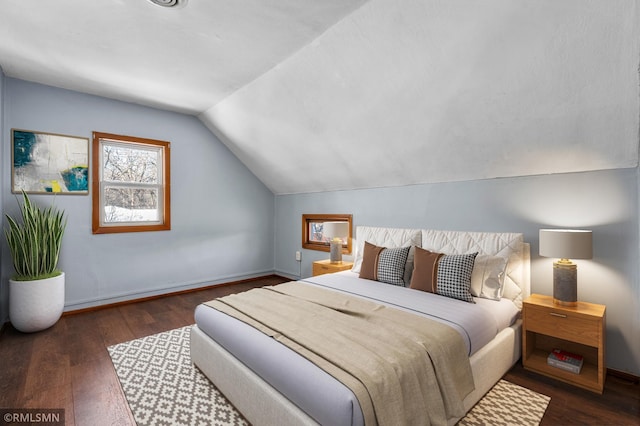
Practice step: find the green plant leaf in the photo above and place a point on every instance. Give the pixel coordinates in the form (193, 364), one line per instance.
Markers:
(35, 244)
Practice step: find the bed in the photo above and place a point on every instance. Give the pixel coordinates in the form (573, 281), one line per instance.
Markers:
(271, 384)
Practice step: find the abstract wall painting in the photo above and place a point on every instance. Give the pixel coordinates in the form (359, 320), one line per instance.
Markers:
(47, 163)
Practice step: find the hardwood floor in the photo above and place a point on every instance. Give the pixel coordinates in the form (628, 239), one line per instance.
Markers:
(67, 366)
(618, 405)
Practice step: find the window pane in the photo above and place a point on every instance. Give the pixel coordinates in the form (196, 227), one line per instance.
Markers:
(125, 164)
(131, 205)
(315, 232)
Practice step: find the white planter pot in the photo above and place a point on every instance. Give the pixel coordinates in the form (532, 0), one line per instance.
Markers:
(36, 305)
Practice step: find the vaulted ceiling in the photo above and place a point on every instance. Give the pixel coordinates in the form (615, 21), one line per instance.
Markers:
(341, 94)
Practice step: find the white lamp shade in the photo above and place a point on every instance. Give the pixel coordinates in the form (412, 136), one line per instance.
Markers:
(335, 230)
(566, 243)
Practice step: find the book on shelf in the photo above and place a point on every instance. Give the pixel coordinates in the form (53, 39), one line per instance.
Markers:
(565, 360)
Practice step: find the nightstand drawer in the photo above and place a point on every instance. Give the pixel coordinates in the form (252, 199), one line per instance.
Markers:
(319, 269)
(564, 325)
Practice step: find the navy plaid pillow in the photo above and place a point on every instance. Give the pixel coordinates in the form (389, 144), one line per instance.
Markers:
(454, 276)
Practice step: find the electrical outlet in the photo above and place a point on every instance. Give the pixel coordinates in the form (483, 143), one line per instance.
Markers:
(298, 256)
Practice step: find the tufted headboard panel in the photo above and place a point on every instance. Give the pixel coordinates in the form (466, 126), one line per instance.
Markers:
(510, 246)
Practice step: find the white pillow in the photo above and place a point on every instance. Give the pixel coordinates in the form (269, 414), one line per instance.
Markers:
(487, 278)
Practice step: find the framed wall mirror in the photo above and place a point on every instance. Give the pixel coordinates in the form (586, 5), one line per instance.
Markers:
(312, 231)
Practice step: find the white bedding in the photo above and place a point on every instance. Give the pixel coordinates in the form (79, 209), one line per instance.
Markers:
(477, 323)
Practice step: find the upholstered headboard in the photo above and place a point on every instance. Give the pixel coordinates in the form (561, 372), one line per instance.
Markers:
(510, 246)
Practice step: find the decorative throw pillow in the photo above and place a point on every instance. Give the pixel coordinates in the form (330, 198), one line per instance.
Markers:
(425, 270)
(449, 275)
(384, 264)
(487, 278)
(454, 276)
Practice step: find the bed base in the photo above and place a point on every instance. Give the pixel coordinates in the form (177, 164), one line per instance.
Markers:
(258, 402)
(261, 404)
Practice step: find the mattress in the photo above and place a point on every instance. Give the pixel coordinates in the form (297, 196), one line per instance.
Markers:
(320, 395)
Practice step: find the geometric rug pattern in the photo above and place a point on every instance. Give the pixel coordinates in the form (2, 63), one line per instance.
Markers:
(163, 387)
(508, 404)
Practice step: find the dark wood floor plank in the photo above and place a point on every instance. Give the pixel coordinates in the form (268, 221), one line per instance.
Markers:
(98, 397)
(15, 349)
(49, 367)
(112, 326)
(51, 396)
(84, 346)
(68, 366)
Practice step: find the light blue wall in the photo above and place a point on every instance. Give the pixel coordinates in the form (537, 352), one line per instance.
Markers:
(222, 215)
(606, 202)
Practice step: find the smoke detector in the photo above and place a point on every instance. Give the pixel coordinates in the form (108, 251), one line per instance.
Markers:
(176, 4)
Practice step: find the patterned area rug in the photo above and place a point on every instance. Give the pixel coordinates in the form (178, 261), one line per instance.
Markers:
(508, 404)
(163, 387)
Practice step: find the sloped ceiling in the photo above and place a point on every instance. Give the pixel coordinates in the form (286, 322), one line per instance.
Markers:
(185, 59)
(329, 95)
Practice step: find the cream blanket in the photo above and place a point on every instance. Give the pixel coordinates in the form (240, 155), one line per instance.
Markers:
(403, 368)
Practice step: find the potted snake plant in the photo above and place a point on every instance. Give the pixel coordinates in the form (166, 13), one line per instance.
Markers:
(36, 291)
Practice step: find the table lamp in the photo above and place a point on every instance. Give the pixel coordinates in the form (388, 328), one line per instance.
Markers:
(335, 232)
(565, 244)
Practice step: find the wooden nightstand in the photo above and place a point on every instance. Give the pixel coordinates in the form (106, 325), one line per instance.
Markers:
(580, 330)
(326, 267)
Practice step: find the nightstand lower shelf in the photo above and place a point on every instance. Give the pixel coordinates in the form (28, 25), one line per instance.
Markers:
(587, 378)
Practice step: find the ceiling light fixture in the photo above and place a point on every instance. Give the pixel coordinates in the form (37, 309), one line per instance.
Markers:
(170, 3)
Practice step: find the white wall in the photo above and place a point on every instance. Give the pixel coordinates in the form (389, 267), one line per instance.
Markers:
(605, 201)
(222, 215)
(444, 90)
